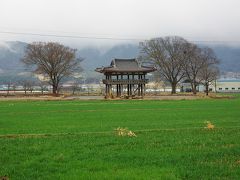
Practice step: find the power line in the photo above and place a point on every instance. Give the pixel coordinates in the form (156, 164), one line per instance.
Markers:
(105, 38)
(70, 36)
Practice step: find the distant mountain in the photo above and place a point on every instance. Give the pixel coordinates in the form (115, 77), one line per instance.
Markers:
(95, 58)
(229, 57)
(12, 52)
(10, 55)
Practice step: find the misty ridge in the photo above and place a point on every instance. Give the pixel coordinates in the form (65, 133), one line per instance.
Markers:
(11, 53)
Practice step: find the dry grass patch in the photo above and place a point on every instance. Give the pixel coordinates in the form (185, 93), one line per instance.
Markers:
(124, 132)
(209, 125)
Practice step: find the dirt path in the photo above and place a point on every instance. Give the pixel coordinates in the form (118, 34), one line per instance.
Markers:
(50, 98)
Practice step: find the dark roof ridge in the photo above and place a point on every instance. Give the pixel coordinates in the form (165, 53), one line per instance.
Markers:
(125, 59)
(126, 65)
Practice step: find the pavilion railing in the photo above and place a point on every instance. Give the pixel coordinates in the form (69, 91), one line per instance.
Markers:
(125, 81)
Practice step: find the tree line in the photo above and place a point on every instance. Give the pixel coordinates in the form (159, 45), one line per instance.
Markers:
(174, 57)
(25, 86)
(176, 60)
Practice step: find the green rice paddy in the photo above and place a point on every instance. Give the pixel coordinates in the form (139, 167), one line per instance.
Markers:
(76, 139)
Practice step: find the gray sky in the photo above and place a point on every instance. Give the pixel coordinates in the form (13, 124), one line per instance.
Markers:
(196, 20)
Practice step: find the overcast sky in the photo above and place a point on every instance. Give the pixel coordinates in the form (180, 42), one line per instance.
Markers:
(196, 20)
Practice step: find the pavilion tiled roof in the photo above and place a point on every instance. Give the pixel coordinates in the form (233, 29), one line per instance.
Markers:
(125, 65)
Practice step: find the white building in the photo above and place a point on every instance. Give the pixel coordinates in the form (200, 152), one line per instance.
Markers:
(227, 86)
(222, 85)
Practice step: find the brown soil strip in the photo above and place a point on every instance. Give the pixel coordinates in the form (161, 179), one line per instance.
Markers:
(94, 110)
(104, 132)
(102, 110)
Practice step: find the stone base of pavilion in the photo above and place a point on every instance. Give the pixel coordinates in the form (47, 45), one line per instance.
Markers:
(123, 97)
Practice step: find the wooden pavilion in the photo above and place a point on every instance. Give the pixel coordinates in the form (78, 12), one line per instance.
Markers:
(125, 78)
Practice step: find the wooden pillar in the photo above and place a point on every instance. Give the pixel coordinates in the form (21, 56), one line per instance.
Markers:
(130, 89)
(128, 86)
(105, 90)
(138, 86)
(133, 87)
(117, 87)
(109, 86)
(121, 86)
(144, 85)
(121, 90)
(144, 89)
(138, 89)
(106, 87)
(118, 90)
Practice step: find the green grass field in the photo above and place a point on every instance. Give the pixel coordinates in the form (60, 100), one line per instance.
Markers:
(76, 139)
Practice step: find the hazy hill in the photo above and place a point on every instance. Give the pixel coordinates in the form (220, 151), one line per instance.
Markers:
(95, 58)
(11, 53)
(229, 57)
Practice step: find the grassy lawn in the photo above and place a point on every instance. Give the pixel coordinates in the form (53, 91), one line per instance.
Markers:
(76, 140)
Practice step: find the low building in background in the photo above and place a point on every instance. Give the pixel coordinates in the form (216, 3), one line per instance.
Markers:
(221, 85)
(231, 86)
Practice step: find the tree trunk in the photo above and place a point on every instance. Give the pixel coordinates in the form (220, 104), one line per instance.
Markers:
(54, 83)
(207, 89)
(54, 90)
(174, 87)
(194, 88)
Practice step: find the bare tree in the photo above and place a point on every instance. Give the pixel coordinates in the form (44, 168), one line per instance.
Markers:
(9, 85)
(52, 60)
(75, 86)
(31, 86)
(210, 71)
(157, 83)
(89, 89)
(168, 56)
(14, 86)
(26, 85)
(208, 75)
(194, 62)
(43, 86)
(102, 87)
